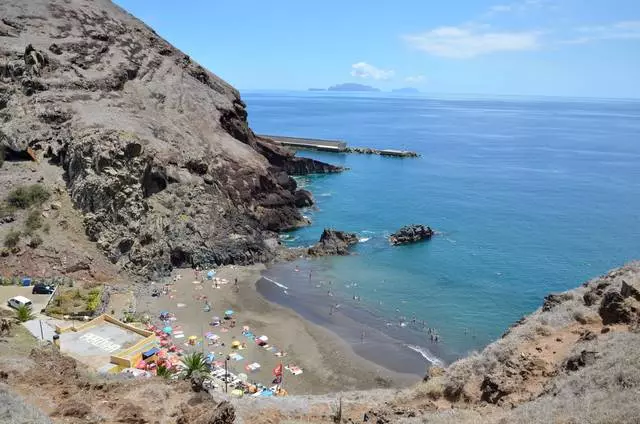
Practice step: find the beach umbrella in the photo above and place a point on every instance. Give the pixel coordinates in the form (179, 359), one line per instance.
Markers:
(263, 338)
(167, 330)
(228, 312)
(237, 393)
(235, 344)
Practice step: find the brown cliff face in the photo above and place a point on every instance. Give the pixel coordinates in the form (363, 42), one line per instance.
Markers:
(157, 150)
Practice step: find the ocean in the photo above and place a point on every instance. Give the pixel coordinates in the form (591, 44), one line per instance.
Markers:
(529, 196)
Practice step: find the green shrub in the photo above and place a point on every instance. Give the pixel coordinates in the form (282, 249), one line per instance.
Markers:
(194, 363)
(26, 196)
(46, 228)
(33, 221)
(24, 314)
(12, 238)
(35, 241)
(93, 299)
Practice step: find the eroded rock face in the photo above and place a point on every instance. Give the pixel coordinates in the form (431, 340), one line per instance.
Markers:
(411, 234)
(333, 242)
(157, 150)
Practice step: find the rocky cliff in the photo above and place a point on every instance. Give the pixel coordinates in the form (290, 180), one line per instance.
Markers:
(157, 151)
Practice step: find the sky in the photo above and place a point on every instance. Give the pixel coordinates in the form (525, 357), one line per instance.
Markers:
(582, 48)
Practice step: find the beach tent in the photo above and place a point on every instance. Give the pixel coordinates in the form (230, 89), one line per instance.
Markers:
(228, 312)
(211, 274)
(215, 321)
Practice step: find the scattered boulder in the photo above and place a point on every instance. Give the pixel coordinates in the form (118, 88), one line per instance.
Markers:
(303, 198)
(333, 242)
(552, 300)
(78, 266)
(587, 335)
(614, 309)
(411, 234)
(630, 289)
(494, 389)
(56, 205)
(583, 359)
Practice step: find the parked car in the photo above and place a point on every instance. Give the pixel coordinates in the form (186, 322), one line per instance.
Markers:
(16, 302)
(42, 288)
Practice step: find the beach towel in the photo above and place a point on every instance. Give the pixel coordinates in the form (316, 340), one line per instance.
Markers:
(178, 336)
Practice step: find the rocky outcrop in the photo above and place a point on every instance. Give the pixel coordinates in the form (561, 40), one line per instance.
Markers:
(293, 165)
(157, 150)
(333, 242)
(304, 198)
(411, 234)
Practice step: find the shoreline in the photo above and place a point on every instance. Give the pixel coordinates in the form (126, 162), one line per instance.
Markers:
(370, 336)
(330, 363)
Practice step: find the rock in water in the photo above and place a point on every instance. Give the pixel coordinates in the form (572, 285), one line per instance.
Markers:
(304, 198)
(157, 150)
(333, 242)
(411, 234)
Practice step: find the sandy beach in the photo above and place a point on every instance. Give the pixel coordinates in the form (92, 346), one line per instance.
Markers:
(329, 364)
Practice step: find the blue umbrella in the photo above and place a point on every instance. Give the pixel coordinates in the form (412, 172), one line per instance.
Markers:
(210, 274)
(167, 330)
(228, 312)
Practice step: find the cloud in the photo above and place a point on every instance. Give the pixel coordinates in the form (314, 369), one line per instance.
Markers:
(470, 42)
(365, 70)
(414, 79)
(624, 30)
(516, 7)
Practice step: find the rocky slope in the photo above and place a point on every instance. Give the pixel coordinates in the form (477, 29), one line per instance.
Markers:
(156, 150)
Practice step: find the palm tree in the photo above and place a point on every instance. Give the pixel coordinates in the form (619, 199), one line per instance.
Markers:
(23, 313)
(194, 363)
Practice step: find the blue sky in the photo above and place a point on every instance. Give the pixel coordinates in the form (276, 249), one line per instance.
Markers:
(532, 47)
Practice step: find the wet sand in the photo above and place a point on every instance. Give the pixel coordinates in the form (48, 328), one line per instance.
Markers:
(330, 364)
(404, 349)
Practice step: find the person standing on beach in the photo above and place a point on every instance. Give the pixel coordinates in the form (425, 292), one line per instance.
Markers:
(237, 287)
(310, 271)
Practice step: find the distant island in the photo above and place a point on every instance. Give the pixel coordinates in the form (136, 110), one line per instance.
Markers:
(406, 90)
(349, 86)
(317, 89)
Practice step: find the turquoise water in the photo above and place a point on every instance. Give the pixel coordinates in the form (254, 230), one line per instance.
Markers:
(531, 196)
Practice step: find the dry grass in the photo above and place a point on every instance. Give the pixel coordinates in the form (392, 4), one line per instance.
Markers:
(14, 410)
(605, 392)
(432, 389)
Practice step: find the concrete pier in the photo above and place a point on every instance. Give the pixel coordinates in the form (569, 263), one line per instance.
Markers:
(309, 143)
(337, 146)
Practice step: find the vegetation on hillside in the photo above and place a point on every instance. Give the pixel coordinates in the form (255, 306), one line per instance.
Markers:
(24, 314)
(12, 238)
(26, 196)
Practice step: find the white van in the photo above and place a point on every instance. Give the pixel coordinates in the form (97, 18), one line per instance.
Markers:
(16, 302)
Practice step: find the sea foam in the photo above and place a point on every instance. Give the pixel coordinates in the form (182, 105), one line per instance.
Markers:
(426, 354)
(282, 286)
